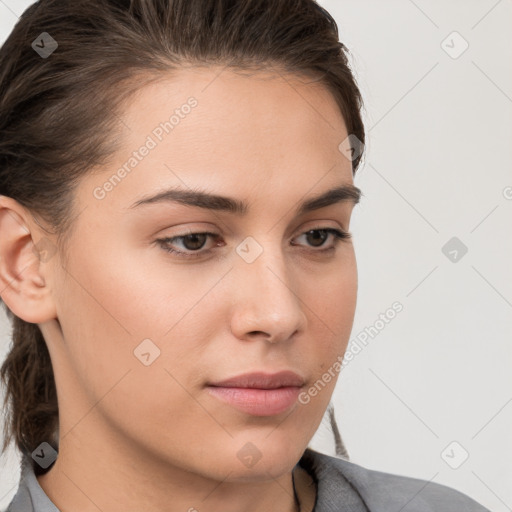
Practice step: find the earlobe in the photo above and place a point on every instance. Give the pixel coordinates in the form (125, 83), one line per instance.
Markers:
(24, 253)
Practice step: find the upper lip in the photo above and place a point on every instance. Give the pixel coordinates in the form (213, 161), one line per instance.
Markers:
(262, 380)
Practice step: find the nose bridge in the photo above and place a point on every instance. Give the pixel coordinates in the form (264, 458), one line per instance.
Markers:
(265, 299)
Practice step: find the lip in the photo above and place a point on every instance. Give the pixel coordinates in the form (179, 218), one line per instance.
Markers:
(259, 393)
(262, 380)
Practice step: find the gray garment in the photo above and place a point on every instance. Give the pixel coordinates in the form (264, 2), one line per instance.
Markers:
(341, 486)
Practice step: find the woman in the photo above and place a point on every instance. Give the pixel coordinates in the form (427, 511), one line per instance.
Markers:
(176, 187)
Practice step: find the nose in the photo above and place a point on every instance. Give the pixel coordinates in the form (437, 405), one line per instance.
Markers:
(266, 302)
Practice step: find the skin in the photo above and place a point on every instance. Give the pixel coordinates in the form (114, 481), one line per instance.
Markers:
(153, 432)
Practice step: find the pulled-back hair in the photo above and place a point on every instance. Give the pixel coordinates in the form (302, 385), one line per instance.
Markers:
(58, 114)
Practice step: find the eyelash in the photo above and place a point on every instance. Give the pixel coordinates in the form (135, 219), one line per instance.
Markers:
(339, 235)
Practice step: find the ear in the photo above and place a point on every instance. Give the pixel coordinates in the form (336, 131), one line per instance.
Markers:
(25, 256)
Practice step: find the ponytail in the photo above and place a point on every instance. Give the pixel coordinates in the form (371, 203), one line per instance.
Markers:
(30, 399)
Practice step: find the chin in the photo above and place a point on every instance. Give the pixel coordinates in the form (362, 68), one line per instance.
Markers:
(250, 459)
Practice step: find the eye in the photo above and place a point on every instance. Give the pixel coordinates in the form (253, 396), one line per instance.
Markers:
(192, 242)
(195, 241)
(324, 234)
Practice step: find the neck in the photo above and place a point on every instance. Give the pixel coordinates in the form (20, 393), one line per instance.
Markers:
(305, 489)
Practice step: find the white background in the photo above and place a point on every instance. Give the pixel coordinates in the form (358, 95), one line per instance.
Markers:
(438, 164)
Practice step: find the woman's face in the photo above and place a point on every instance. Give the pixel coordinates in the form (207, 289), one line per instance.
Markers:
(143, 332)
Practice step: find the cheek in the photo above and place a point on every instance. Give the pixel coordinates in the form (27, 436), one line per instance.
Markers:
(105, 322)
(119, 306)
(104, 315)
(331, 300)
(332, 303)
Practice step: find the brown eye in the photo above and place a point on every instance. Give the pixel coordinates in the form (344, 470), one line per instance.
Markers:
(193, 242)
(317, 237)
(317, 241)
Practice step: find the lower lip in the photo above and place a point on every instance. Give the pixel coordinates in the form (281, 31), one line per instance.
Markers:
(258, 402)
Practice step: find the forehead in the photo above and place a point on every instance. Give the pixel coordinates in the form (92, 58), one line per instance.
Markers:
(235, 106)
(237, 133)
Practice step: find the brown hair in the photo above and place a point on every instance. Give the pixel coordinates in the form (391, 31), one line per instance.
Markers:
(58, 113)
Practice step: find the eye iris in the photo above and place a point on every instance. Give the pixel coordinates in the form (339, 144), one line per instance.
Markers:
(194, 238)
(323, 236)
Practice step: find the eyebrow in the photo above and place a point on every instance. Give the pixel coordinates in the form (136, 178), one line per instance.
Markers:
(207, 200)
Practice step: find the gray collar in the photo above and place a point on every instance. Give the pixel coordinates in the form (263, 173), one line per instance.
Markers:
(383, 492)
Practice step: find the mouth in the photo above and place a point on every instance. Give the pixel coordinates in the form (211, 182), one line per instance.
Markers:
(259, 393)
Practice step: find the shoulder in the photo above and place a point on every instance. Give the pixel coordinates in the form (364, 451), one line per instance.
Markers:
(387, 492)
